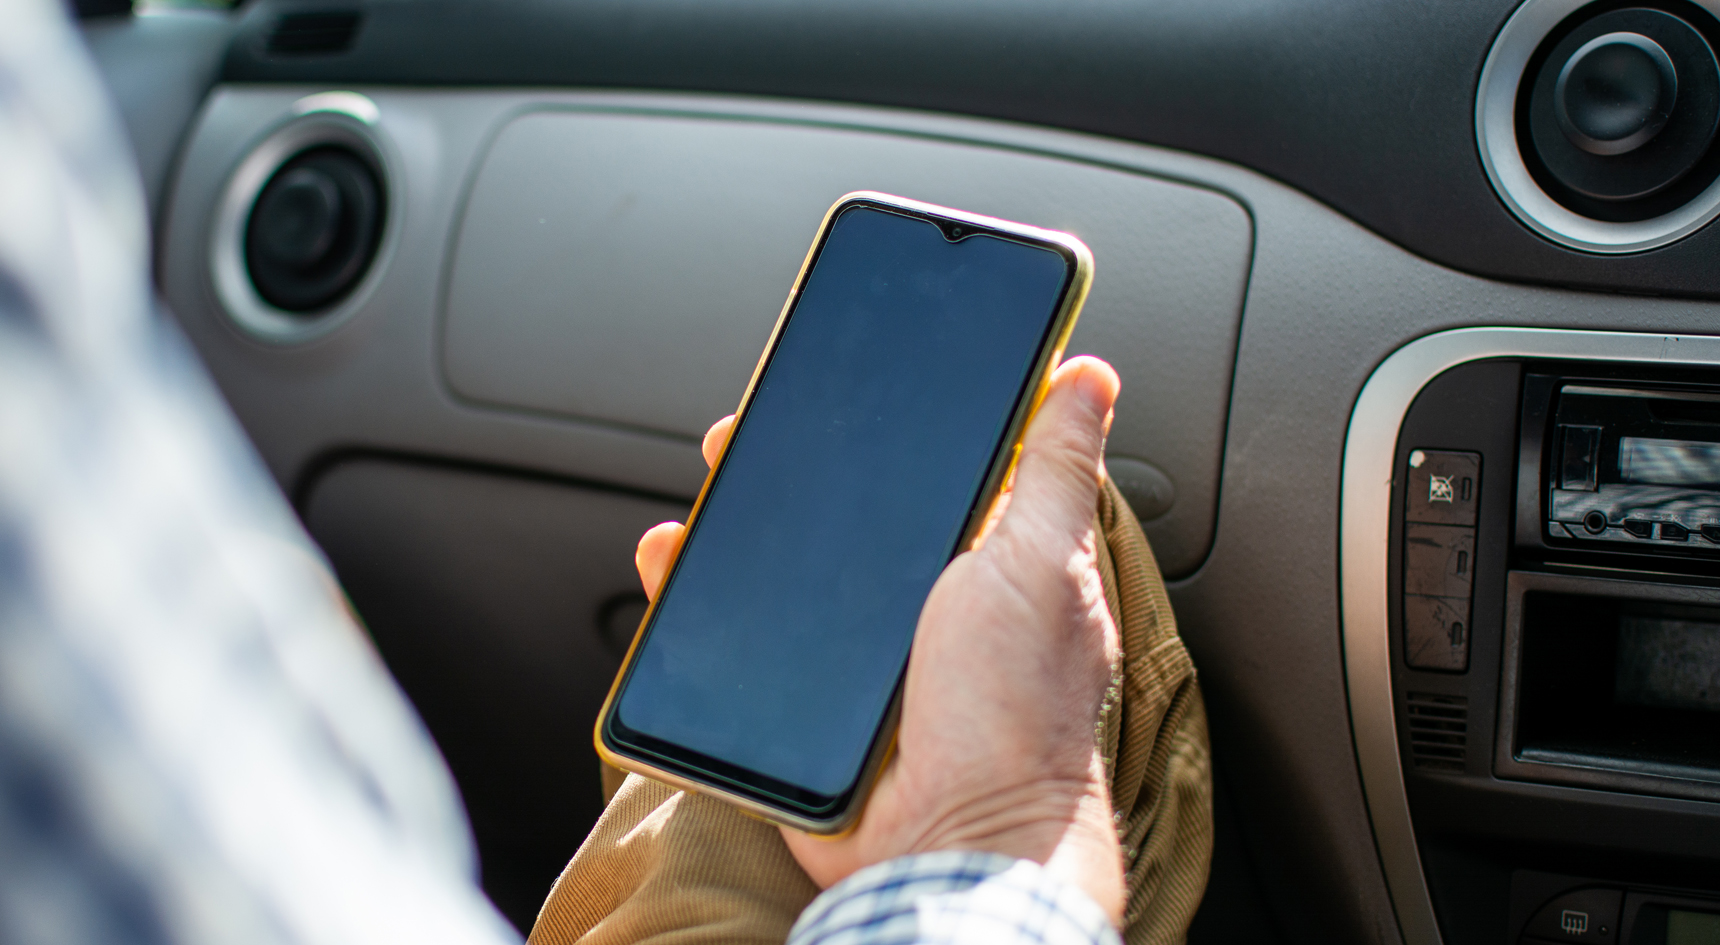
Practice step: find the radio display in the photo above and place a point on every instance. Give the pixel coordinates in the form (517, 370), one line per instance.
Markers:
(1658, 462)
(1692, 928)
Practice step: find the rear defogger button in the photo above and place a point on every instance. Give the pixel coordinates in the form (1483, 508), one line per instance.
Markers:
(1584, 915)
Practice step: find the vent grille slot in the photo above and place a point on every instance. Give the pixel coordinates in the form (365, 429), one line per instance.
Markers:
(1438, 731)
(329, 31)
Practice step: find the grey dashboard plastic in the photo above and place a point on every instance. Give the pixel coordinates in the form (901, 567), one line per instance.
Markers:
(627, 267)
(158, 69)
(1326, 302)
(1367, 106)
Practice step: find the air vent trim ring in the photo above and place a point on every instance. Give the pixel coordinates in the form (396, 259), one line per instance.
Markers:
(342, 119)
(1496, 139)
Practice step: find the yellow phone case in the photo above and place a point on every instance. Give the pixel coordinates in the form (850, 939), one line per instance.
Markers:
(1039, 383)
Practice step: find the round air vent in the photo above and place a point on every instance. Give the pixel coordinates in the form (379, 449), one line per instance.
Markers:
(1597, 121)
(313, 229)
(301, 228)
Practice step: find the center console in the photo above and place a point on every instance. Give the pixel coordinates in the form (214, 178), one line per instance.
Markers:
(1531, 566)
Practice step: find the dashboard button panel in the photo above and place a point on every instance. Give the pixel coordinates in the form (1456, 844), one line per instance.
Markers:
(1442, 493)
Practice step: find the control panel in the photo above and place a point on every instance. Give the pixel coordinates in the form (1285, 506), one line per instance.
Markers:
(1554, 634)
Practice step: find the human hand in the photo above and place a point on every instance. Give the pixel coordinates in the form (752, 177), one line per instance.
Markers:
(1014, 650)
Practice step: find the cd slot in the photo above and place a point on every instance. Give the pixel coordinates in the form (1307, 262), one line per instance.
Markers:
(1611, 684)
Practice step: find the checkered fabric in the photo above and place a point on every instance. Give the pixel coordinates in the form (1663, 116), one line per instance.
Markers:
(954, 898)
(197, 744)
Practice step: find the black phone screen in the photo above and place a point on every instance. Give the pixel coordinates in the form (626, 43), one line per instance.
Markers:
(783, 630)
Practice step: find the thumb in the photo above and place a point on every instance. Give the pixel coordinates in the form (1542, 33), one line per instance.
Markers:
(1057, 477)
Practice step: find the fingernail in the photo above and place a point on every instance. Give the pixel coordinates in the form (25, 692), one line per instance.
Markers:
(1090, 384)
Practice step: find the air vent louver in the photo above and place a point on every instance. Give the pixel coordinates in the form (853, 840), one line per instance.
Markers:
(1438, 731)
(302, 34)
(314, 229)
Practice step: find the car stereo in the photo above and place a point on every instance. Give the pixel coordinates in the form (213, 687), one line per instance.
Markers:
(1635, 466)
(1611, 649)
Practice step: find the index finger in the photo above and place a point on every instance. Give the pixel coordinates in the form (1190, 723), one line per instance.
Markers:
(715, 438)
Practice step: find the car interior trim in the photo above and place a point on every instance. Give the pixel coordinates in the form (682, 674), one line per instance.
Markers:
(1496, 136)
(1363, 545)
(351, 104)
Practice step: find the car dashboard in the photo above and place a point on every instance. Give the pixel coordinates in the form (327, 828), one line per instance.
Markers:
(1391, 338)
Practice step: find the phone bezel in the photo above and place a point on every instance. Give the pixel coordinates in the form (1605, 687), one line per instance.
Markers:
(760, 795)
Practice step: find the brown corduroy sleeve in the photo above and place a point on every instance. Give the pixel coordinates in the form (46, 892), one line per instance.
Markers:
(663, 866)
(672, 868)
(1161, 771)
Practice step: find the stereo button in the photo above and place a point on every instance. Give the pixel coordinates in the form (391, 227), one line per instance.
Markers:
(1712, 533)
(1639, 527)
(1438, 560)
(1673, 532)
(1586, 915)
(1436, 632)
(1443, 487)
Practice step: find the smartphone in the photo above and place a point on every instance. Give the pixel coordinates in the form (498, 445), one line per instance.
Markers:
(881, 422)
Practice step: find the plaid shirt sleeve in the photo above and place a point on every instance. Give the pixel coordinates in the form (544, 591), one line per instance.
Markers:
(954, 898)
(198, 746)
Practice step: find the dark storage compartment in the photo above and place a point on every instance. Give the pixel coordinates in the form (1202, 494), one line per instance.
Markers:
(1611, 683)
(1623, 684)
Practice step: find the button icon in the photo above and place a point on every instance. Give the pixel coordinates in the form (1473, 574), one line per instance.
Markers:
(1580, 915)
(1442, 487)
(1439, 560)
(1439, 489)
(1436, 632)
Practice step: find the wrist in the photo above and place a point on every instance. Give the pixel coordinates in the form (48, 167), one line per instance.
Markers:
(1065, 826)
(1090, 856)
(956, 896)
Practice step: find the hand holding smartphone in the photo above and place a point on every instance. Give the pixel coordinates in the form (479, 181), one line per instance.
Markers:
(995, 749)
(878, 427)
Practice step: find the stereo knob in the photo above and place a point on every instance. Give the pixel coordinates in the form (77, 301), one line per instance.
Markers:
(1615, 93)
